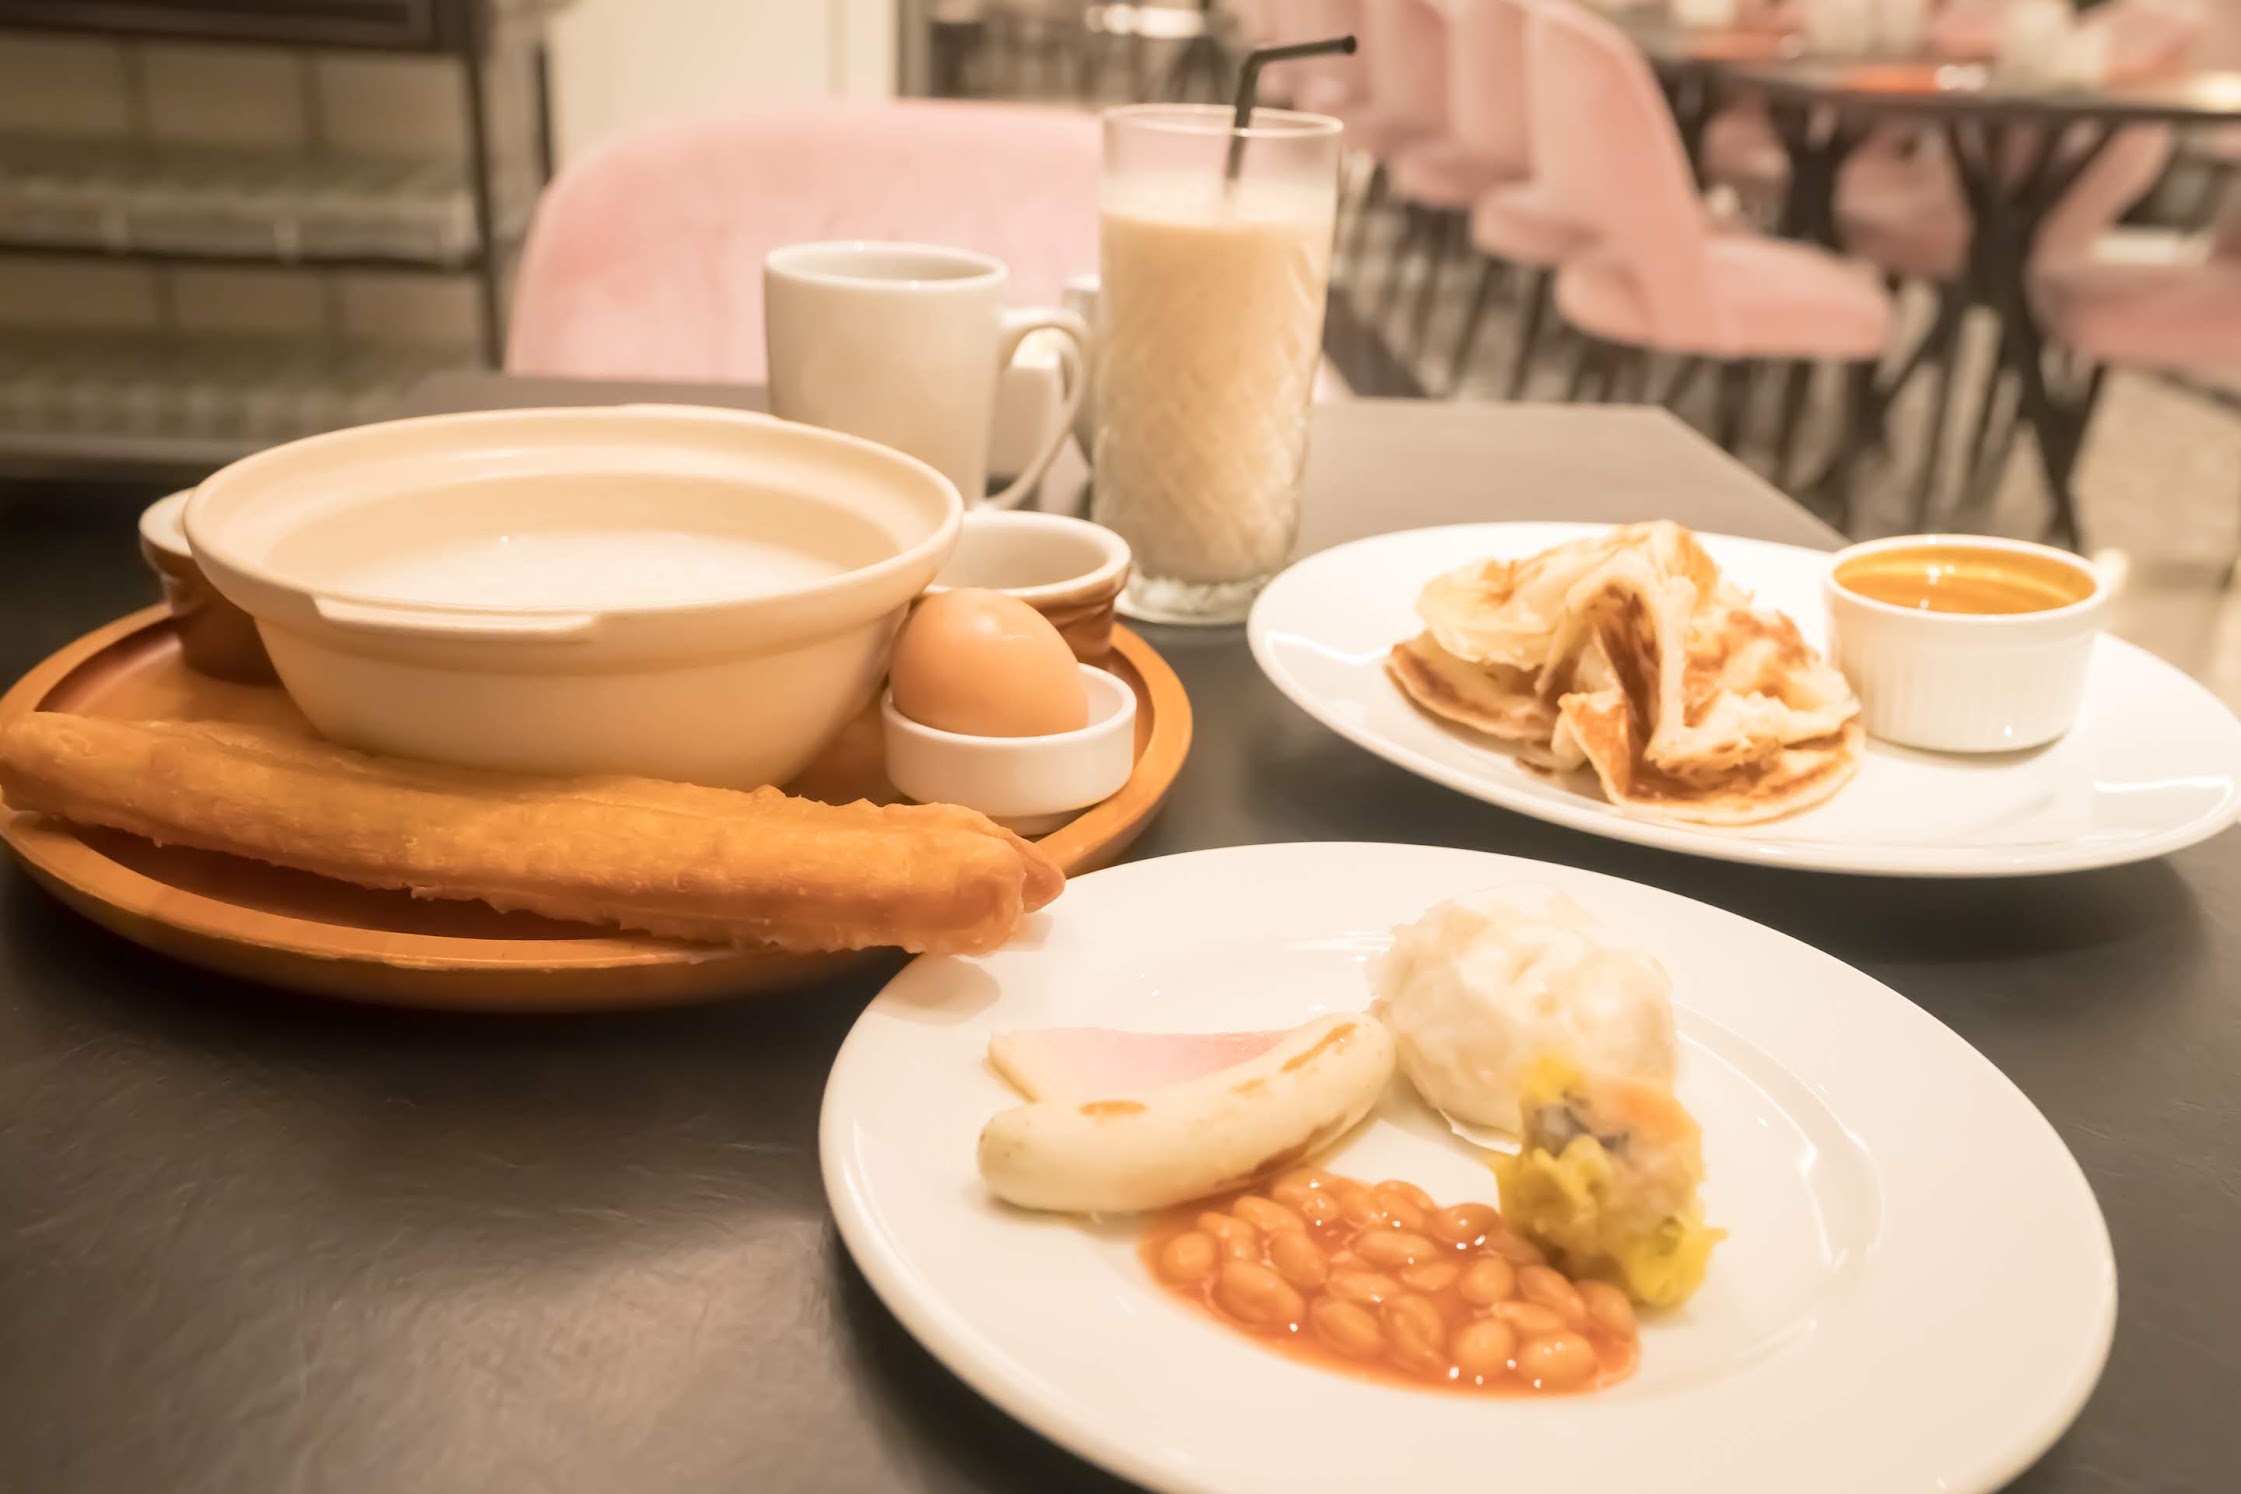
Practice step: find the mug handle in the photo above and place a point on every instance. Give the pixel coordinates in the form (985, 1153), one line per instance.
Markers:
(1017, 324)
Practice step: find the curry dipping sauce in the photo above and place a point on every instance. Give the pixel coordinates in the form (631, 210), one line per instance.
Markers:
(1380, 1282)
(1963, 578)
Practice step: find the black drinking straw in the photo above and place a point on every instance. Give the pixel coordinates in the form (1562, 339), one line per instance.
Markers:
(1249, 84)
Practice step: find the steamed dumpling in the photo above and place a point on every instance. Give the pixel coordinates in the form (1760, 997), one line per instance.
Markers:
(1481, 988)
(1606, 1182)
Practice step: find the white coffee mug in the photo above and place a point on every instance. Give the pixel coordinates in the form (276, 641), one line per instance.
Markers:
(1079, 295)
(903, 344)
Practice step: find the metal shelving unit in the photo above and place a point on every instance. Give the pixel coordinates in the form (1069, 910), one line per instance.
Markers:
(178, 398)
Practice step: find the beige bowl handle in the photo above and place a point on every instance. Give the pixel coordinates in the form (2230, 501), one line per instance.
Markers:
(440, 622)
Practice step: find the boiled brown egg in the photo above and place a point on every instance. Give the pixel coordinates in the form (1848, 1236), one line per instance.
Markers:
(984, 664)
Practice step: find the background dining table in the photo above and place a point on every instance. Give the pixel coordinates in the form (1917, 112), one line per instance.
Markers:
(255, 1242)
(2015, 149)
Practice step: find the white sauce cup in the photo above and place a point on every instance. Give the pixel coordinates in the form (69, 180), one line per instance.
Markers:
(1964, 682)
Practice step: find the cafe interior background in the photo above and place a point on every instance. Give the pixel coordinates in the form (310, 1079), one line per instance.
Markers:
(224, 225)
(435, 1257)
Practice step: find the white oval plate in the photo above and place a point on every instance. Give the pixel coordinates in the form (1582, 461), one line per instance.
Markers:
(1916, 1293)
(2154, 763)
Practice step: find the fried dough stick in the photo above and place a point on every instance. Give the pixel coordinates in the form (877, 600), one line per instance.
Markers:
(669, 859)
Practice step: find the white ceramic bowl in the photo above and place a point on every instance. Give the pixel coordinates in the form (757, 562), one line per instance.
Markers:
(1069, 570)
(1964, 682)
(1029, 783)
(679, 592)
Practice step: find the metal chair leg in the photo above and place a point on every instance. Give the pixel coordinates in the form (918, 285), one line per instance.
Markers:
(1412, 229)
(1610, 358)
(1446, 228)
(1373, 198)
(1735, 394)
(1852, 438)
(1489, 278)
(1630, 380)
(1584, 370)
(1539, 290)
(1952, 319)
(1978, 487)
(2064, 522)
(2006, 398)
(1684, 376)
(1797, 382)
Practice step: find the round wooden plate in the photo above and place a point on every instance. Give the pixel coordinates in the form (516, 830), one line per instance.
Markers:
(307, 933)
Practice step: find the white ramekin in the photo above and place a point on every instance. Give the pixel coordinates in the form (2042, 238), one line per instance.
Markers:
(1029, 783)
(1069, 570)
(732, 690)
(1964, 682)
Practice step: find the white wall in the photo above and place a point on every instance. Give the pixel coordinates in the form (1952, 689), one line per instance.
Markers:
(617, 63)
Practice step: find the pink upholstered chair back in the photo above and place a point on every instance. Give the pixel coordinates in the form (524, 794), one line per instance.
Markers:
(1404, 48)
(2150, 38)
(1486, 83)
(2120, 176)
(2221, 36)
(1308, 20)
(1326, 18)
(1607, 152)
(1319, 83)
(1968, 28)
(1275, 23)
(645, 259)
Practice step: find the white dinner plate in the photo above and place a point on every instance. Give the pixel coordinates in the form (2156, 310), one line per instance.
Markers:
(1916, 1292)
(2153, 764)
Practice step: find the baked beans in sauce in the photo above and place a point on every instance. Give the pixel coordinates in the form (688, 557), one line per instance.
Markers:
(1378, 1280)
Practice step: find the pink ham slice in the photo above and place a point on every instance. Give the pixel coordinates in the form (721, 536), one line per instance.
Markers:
(1100, 1063)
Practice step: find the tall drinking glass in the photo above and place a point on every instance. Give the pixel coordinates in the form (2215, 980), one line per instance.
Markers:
(1216, 258)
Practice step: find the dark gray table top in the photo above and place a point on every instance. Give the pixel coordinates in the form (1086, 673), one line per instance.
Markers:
(252, 1243)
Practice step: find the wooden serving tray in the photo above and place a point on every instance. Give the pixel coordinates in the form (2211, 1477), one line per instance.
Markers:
(307, 933)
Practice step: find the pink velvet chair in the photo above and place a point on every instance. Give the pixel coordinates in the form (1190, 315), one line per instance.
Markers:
(1967, 30)
(2150, 38)
(1918, 227)
(1516, 226)
(1322, 85)
(1256, 23)
(1484, 146)
(645, 257)
(1276, 23)
(1898, 202)
(2170, 316)
(2215, 153)
(1742, 151)
(1660, 277)
(2178, 317)
(1404, 58)
(1404, 61)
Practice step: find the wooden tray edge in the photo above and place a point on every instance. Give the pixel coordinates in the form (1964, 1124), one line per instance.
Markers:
(460, 971)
